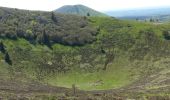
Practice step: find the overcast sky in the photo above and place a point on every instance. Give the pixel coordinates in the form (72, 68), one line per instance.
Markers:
(100, 5)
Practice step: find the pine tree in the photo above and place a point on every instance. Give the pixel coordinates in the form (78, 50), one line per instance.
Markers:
(53, 17)
(46, 39)
(2, 47)
(7, 59)
(151, 20)
(88, 14)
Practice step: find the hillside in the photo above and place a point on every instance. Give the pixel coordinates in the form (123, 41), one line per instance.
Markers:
(149, 18)
(140, 12)
(42, 54)
(58, 28)
(158, 14)
(79, 10)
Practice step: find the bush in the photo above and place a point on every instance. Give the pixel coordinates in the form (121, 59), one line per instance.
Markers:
(7, 59)
(166, 35)
(2, 47)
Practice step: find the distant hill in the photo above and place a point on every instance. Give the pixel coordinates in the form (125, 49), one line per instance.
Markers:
(79, 10)
(160, 14)
(152, 18)
(140, 12)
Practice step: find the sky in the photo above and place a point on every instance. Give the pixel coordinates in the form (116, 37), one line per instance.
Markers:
(100, 5)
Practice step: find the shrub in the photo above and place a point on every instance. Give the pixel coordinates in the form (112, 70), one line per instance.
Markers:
(166, 35)
(7, 59)
(2, 47)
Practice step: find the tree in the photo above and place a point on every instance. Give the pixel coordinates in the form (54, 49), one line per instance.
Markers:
(7, 59)
(166, 35)
(88, 14)
(157, 20)
(46, 39)
(137, 19)
(29, 35)
(11, 34)
(151, 20)
(2, 47)
(102, 50)
(53, 17)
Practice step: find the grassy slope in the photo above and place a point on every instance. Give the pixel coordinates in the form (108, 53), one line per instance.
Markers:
(117, 75)
(120, 72)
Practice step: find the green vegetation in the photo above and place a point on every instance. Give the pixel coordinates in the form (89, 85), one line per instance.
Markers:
(37, 26)
(94, 53)
(7, 59)
(115, 76)
(2, 47)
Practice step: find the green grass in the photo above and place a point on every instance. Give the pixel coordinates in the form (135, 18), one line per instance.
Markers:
(29, 58)
(117, 75)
